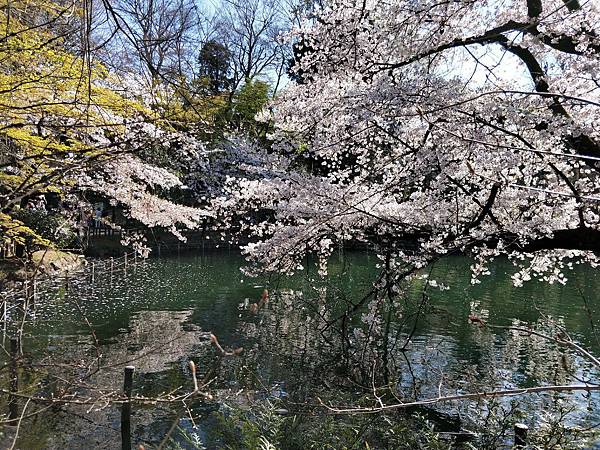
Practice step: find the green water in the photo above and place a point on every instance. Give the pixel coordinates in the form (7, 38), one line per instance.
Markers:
(156, 315)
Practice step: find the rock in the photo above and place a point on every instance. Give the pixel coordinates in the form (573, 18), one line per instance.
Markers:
(54, 262)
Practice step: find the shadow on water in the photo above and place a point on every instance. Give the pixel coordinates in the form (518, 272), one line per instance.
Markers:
(158, 315)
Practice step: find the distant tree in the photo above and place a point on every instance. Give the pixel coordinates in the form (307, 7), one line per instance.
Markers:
(249, 101)
(214, 65)
(158, 33)
(251, 30)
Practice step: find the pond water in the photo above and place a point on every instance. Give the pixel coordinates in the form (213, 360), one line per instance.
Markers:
(157, 315)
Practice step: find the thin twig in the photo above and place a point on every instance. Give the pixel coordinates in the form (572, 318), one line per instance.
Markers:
(19, 425)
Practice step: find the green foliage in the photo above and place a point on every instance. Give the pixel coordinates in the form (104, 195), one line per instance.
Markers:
(263, 427)
(190, 439)
(214, 62)
(249, 101)
(48, 105)
(50, 226)
(17, 231)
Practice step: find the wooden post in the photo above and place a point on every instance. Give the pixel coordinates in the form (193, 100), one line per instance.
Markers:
(34, 289)
(159, 250)
(4, 320)
(126, 409)
(520, 435)
(112, 265)
(13, 406)
(93, 267)
(125, 260)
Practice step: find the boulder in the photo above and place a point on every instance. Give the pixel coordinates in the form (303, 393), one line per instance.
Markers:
(55, 262)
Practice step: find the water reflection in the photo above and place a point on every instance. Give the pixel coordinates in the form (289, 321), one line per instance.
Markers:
(159, 315)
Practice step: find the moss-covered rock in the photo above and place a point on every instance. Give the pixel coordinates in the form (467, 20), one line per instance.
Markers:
(54, 262)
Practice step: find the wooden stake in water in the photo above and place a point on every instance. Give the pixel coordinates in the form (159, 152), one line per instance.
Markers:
(126, 409)
(521, 435)
(4, 320)
(13, 406)
(66, 281)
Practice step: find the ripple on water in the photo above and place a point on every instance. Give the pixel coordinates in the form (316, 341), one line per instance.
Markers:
(147, 306)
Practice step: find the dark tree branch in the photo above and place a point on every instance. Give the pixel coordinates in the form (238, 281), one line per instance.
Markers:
(534, 8)
(487, 208)
(572, 5)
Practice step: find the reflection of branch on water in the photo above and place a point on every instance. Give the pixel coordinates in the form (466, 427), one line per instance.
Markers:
(69, 386)
(82, 375)
(19, 424)
(180, 415)
(255, 307)
(561, 339)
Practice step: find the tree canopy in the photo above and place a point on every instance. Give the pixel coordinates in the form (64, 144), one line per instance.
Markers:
(464, 126)
(69, 125)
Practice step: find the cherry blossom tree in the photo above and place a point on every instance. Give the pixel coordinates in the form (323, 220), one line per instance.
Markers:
(463, 126)
(69, 126)
(424, 129)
